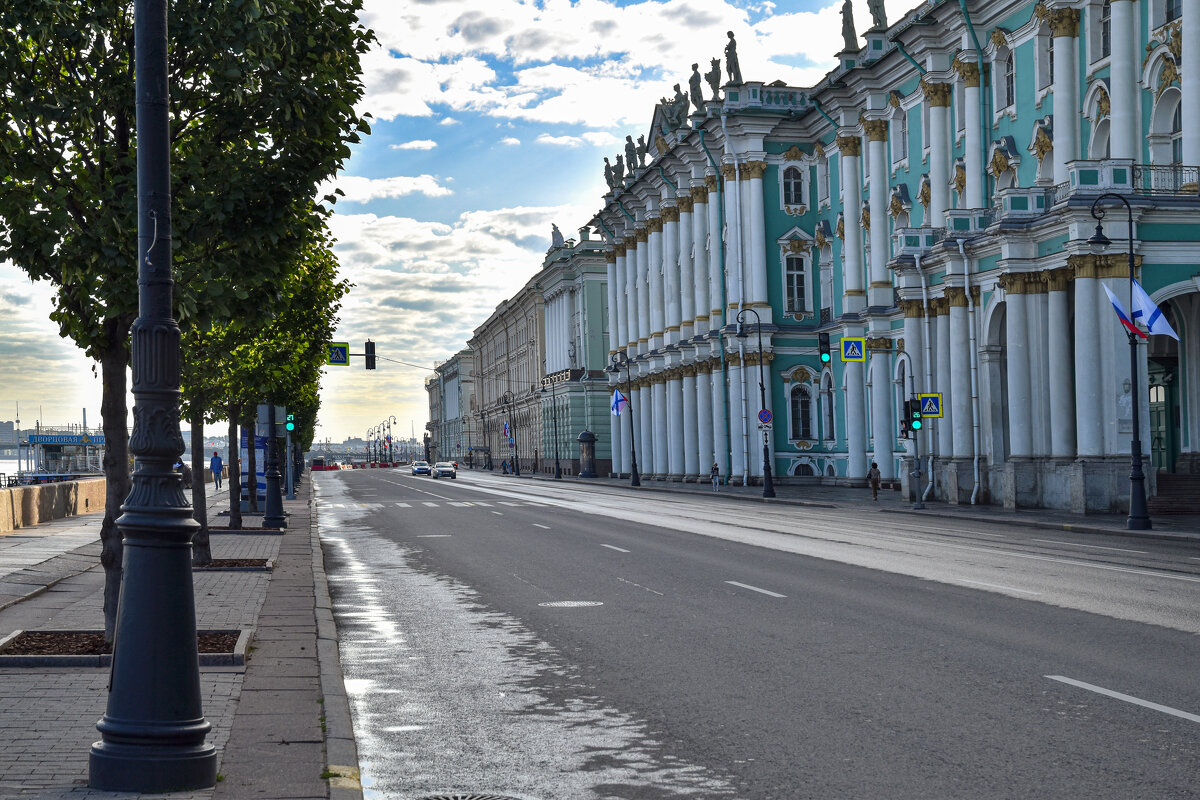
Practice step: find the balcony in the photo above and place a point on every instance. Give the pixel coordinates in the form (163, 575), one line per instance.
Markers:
(1125, 177)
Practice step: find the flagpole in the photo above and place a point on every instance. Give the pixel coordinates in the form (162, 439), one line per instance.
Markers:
(1139, 517)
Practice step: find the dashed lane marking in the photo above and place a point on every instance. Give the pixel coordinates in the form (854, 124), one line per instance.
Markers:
(403, 505)
(756, 589)
(543, 527)
(1137, 701)
(997, 586)
(429, 503)
(1090, 546)
(434, 536)
(614, 547)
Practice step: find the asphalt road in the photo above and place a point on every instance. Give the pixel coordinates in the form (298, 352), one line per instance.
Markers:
(538, 641)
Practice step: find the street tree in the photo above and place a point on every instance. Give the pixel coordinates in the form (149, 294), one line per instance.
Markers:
(262, 112)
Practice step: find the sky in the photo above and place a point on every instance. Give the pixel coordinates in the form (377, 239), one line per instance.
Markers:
(491, 120)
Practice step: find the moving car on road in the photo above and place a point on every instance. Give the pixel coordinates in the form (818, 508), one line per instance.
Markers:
(444, 469)
(420, 468)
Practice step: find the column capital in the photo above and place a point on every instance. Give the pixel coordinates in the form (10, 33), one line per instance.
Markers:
(610, 257)
(754, 169)
(710, 183)
(669, 214)
(1012, 283)
(640, 235)
(877, 130)
(654, 224)
(699, 194)
(619, 249)
(956, 297)
(685, 203)
(1064, 22)
(913, 309)
(879, 344)
(1057, 279)
(938, 306)
(729, 172)
(968, 71)
(1108, 265)
(936, 94)
(849, 146)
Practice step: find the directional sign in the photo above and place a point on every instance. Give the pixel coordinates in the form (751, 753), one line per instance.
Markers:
(338, 355)
(854, 349)
(764, 416)
(931, 404)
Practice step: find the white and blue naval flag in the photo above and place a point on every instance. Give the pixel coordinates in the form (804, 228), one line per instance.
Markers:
(619, 403)
(1150, 315)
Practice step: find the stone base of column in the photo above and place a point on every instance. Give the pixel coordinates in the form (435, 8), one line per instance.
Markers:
(1101, 485)
(1020, 484)
(956, 481)
(690, 479)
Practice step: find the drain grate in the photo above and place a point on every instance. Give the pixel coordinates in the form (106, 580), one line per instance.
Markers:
(467, 797)
(571, 604)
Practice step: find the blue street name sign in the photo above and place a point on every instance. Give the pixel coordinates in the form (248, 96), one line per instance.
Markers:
(66, 438)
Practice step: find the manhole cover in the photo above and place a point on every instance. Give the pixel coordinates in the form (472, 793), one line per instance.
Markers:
(467, 797)
(571, 604)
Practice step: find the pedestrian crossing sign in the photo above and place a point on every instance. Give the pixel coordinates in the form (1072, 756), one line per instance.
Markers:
(338, 354)
(931, 404)
(854, 349)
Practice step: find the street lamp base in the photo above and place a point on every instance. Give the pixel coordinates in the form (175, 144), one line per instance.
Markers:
(151, 769)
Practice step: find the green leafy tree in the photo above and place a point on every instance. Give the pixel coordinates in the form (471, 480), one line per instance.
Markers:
(262, 111)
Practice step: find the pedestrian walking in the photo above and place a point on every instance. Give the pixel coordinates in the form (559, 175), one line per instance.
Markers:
(216, 466)
(873, 478)
(716, 475)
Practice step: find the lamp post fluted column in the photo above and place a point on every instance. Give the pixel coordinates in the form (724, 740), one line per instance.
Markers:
(768, 483)
(273, 513)
(618, 359)
(152, 735)
(1139, 517)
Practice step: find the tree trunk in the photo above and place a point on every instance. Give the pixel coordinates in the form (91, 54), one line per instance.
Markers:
(113, 412)
(201, 554)
(235, 470)
(252, 466)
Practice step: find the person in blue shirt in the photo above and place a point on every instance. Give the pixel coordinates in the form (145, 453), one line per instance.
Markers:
(215, 465)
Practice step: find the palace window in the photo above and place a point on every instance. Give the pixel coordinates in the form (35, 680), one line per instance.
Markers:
(793, 187)
(1009, 86)
(1173, 9)
(1106, 29)
(1177, 135)
(795, 274)
(827, 407)
(823, 180)
(898, 137)
(801, 408)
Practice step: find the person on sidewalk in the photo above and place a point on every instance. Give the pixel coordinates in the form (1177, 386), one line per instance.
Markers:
(215, 465)
(716, 475)
(874, 478)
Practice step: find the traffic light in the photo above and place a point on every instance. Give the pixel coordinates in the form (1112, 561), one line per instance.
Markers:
(370, 349)
(290, 425)
(914, 415)
(823, 347)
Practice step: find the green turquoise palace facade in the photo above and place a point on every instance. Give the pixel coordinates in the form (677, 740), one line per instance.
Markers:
(931, 197)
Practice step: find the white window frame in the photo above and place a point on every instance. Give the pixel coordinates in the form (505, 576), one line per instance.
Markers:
(796, 425)
(801, 180)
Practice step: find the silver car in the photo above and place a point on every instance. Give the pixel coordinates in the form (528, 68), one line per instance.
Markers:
(420, 468)
(443, 469)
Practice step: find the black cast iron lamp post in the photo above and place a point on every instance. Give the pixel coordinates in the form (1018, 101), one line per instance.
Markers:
(508, 399)
(1139, 517)
(153, 730)
(618, 359)
(768, 484)
(554, 416)
(273, 513)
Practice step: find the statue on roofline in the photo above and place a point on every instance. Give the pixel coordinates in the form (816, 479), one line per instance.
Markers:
(619, 171)
(694, 87)
(556, 237)
(608, 175)
(732, 67)
(849, 37)
(878, 14)
(641, 152)
(631, 154)
(713, 76)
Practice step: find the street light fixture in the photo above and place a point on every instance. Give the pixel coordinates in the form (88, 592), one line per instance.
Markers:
(554, 416)
(1139, 517)
(768, 484)
(619, 358)
(508, 399)
(391, 456)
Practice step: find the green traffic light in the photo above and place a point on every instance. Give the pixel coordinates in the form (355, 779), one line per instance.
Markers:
(824, 358)
(916, 424)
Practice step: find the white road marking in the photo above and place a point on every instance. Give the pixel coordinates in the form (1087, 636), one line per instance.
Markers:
(647, 588)
(1092, 546)
(997, 586)
(460, 505)
(481, 503)
(434, 536)
(755, 589)
(403, 505)
(543, 527)
(428, 503)
(508, 503)
(614, 547)
(1137, 701)
(498, 513)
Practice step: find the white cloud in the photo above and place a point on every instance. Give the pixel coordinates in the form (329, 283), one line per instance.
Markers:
(363, 190)
(510, 141)
(416, 144)
(449, 121)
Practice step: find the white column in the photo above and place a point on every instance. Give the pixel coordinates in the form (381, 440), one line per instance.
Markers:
(619, 298)
(704, 420)
(676, 414)
(941, 379)
(737, 422)
(691, 432)
(735, 285)
(755, 237)
(880, 289)
(654, 227)
(960, 372)
(700, 262)
(1190, 35)
(614, 337)
(645, 429)
(1123, 85)
(855, 298)
(716, 245)
(883, 424)
(719, 410)
(643, 291)
(1064, 27)
(1020, 431)
(914, 346)
(670, 263)
(1061, 367)
(972, 152)
(658, 399)
(856, 420)
(1089, 422)
(1039, 365)
(687, 272)
(937, 95)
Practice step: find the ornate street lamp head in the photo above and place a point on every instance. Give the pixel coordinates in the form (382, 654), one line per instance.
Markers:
(1099, 242)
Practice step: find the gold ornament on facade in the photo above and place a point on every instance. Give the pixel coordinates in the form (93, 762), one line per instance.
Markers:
(795, 211)
(654, 224)
(913, 309)
(864, 217)
(660, 144)
(641, 235)
(900, 345)
(877, 130)
(924, 193)
(1057, 280)
(956, 297)
(796, 246)
(1103, 105)
(820, 239)
(729, 172)
(685, 203)
(670, 214)
(840, 230)
(610, 257)
(1108, 265)
(1040, 11)
(1042, 143)
(968, 71)
(819, 150)
(619, 250)
(631, 241)
(999, 163)
(710, 182)
(999, 37)
(754, 169)
(1168, 76)
(1064, 22)
(849, 146)
(959, 181)
(700, 194)
(801, 375)
(793, 153)
(894, 99)
(895, 207)
(937, 94)
(1012, 283)
(879, 344)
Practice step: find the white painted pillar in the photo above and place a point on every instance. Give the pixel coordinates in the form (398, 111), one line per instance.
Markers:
(972, 152)
(737, 421)
(686, 288)
(1123, 87)
(856, 420)
(654, 227)
(1190, 35)
(879, 292)
(960, 372)
(941, 379)
(645, 429)
(700, 281)
(720, 438)
(658, 399)
(704, 420)
(1089, 421)
(619, 299)
(755, 238)
(676, 417)
(855, 295)
(1061, 366)
(691, 432)
(1039, 365)
(937, 95)
(1020, 432)
(914, 346)
(883, 423)
(1064, 27)
(643, 290)
(671, 272)
(716, 245)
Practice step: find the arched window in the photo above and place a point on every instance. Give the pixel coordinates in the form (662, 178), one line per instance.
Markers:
(795, 276)
(801, 408)
(827, 408)
(1177, 135)
(1106, 29)
(793, 187)
(1010, 80)
(1050, 59)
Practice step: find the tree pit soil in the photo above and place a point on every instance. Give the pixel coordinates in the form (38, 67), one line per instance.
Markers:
(91, 643)
(227, 563)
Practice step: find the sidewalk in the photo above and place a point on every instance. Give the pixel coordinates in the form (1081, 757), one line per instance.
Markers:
(280, 723)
